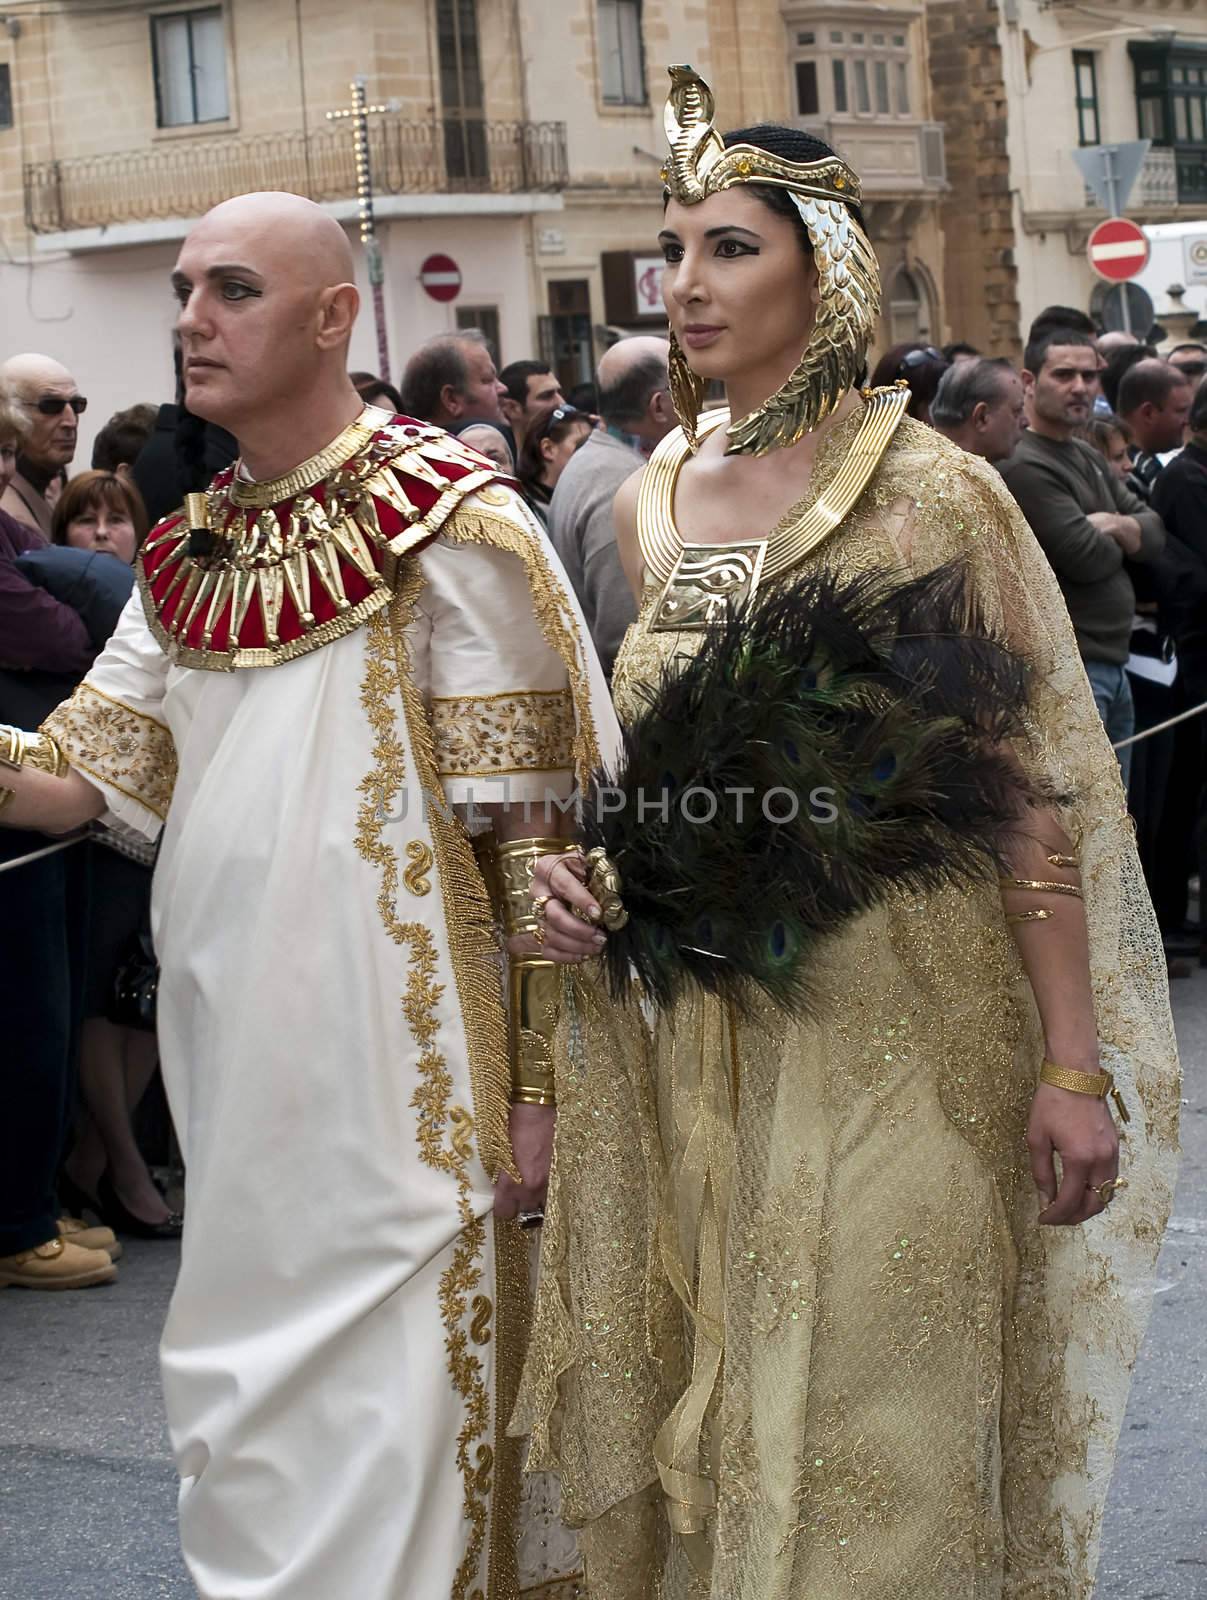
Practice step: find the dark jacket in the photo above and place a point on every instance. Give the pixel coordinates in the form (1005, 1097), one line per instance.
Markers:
(94, 588)
(37, 629)
(1058, 487)
(1179, 496)
(157, 470)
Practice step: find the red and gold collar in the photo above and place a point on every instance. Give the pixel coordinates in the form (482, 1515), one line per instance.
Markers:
(302, 560)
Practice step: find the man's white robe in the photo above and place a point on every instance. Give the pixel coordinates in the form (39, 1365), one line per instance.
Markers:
(331, 1352)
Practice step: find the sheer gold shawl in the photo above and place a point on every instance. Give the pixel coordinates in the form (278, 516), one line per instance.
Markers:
(815, 1244)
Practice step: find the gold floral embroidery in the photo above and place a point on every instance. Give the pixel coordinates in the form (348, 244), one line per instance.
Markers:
(116, 745)
(844, 1488)
(778, 1263)
(445, 1131)
(531, 730)
(557, 621)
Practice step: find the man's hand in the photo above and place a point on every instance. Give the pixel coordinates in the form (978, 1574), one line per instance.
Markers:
(1081, 1130)
(532, 1146)
(1125, 531)
(567, 937)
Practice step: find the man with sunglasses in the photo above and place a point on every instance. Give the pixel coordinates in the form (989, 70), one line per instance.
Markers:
(51, 401)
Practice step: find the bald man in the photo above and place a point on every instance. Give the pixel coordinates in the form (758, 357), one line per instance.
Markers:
(51, 403)
(635, 405)
(354, 638)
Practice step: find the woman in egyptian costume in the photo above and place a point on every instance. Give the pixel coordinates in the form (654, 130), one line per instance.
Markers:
(802, 1331)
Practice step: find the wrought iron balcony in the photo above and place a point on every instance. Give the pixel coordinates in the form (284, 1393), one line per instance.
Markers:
(185, 177)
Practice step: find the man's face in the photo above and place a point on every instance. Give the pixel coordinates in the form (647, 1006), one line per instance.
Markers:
(1002, 424)
(52, 424)
(247, 322)
(1061, 392)
(481, 390)
(1166, 424)
(544, 394)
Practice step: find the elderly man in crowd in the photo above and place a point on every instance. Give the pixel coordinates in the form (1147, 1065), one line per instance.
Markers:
(451, 379)
(635, 405)
(51, 401)
(1087, 522)
(979, 406)
(1190, 360)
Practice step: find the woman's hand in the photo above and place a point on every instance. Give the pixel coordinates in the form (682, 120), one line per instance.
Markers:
(568, 938)
(1081, 1130)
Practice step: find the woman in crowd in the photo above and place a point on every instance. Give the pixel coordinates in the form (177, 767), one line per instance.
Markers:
(105, 1171)
(897, 1364)
(375, 391)
(547, 447)
(489, 440)
(920, 366)
(1111, 437)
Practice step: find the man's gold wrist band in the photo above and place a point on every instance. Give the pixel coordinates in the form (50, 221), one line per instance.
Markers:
(19, 749)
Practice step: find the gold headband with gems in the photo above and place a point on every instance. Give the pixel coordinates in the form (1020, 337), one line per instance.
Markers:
(848, 280)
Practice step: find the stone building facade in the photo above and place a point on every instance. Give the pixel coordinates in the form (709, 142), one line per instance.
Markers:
(520, 138)
(1021, 85)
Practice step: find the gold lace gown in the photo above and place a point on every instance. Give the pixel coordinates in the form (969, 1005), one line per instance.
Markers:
(798, 1334)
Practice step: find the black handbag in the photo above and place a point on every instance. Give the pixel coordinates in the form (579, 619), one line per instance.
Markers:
(136, 985)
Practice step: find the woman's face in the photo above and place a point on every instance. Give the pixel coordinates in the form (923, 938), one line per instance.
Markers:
(8, 462)
(556, 455)
(740, 292)
(489, 442)
(103, 528)
(1117, 455)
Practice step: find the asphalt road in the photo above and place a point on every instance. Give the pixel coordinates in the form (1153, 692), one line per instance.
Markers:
(87, 1490)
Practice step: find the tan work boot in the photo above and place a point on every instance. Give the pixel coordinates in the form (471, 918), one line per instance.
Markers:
(57, 1264)
(89, 1237)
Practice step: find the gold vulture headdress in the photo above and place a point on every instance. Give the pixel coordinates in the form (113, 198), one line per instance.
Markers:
(848, 278)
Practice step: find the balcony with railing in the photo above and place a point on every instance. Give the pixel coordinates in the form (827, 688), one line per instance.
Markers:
(894, 159)
(1171, 176)
(184, 178)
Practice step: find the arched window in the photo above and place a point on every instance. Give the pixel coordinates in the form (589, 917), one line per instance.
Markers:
(908, 306)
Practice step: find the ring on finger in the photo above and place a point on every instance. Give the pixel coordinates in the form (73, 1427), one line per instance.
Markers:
(1107, 1191)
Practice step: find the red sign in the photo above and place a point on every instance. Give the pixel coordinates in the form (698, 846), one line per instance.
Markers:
(441, 277)
(1117, 250)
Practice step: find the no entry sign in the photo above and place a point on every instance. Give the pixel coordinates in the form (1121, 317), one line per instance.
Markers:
(1117, 250)
(441, 277)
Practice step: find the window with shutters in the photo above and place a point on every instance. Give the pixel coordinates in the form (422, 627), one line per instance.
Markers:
(188, 52)
(861, 71)
(621, 53)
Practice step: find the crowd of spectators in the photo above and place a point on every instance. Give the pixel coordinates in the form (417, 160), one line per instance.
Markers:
(1101, 439)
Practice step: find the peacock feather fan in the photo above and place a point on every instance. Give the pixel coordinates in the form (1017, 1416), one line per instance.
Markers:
(835, 742)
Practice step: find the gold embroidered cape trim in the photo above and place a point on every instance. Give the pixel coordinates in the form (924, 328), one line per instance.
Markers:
(485, 735)
(269, 572)
(122, 748)
(444, 1130)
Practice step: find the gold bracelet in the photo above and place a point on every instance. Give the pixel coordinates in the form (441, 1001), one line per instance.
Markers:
(507, 866)
(1099, 1084)
(1041, 886)
(1028, 916)
(38, 750)
(1073, 863)
(535, 997)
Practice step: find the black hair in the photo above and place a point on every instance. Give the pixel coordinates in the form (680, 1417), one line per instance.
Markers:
(921, 374)
(1061, 317)
(556, 425)
(515, 376)
(1118, 364)
(369, 387)
(1047, 339)
(959, 348)
(789, 144)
